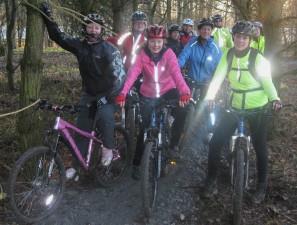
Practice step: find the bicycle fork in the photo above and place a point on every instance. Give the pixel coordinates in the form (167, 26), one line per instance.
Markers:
(246, 158)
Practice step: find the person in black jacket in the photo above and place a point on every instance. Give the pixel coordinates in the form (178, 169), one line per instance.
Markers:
(173, 40)
(102, 73)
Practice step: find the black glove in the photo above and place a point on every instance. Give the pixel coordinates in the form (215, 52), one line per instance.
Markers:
(45, 8)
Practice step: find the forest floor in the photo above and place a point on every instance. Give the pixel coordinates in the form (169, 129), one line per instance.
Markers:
(179, 201)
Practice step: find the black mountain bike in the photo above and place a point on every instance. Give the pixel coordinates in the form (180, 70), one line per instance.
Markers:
(157, 138)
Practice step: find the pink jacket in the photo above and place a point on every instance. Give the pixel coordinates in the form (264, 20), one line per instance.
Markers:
(157, 78)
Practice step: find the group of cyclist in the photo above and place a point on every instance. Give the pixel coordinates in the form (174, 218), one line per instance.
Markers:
(109, 68)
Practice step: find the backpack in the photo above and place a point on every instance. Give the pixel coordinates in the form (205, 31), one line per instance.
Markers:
(252, 61)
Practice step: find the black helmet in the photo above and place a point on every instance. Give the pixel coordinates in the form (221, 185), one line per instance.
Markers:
(205, 22)
(173, 27)
(216, 18)
(94, 17)
(138, 15)
(258, 24)
(244, 27)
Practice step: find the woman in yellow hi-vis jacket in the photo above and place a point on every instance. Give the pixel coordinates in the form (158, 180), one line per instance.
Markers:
(250, 91)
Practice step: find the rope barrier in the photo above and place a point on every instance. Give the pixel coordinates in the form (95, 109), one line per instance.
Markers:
(20, 110)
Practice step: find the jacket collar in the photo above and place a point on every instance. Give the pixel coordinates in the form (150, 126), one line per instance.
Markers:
(155, 58)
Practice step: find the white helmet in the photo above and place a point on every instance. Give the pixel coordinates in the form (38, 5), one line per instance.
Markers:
(188, 21)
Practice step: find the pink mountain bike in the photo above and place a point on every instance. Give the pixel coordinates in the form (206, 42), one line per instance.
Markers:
(37, 180)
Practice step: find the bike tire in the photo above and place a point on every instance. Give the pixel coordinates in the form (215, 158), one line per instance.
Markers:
(188, 127)
(107, 176)
(41, 184)
(131, 126)
(237, 197)
(149, 178)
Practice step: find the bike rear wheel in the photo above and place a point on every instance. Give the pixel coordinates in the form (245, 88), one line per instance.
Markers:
(131, 126)
(36, 184)
(149, 179)
(240, 149)
(107, 176)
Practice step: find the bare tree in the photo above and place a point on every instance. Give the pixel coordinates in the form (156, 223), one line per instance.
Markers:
(31, 70)
(10, 8)
(120, 8)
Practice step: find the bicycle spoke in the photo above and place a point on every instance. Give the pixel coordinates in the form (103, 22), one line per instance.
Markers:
(34, 193)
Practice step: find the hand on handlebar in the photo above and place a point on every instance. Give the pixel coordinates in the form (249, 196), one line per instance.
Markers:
(120, 100)
(184, 100)
(276, 105)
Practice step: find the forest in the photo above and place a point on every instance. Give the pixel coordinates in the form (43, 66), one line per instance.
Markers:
(33, 67)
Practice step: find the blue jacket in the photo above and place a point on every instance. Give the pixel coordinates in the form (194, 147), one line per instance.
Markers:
(201, 60)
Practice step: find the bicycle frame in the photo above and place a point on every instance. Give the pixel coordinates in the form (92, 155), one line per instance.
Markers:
(63, 127)
(241, 132)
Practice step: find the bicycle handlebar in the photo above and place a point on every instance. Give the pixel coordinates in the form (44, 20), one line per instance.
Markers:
(45, 105)
(193, 83)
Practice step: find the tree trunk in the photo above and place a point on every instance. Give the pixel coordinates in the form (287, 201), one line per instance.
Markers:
(179, 11)
(120, 9)
(31, 69)
(20, 32)
(135, 5)
(242, 9)
(270, 15)
(152, 5)
(10, 6)
(168, 10)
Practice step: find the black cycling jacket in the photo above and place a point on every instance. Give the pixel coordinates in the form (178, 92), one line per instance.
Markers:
(100, 64)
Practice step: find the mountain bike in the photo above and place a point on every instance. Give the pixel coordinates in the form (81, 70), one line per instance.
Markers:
(157, 137)
(240, 144)
(239, 147)
(37, 179)
(133, 118)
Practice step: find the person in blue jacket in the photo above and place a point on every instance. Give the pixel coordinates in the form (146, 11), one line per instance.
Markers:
(201, 55)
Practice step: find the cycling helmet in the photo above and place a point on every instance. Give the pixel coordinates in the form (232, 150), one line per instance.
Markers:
(156, 31)
(173, 27)
(244, 27)
(258, 24)
(188, 21)
(217, 17)
(138, 15)
(205, 22)
(94, 17)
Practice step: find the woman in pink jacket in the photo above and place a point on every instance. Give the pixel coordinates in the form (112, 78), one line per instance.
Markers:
(162, 79)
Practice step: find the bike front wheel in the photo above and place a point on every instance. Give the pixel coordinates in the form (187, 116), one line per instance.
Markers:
(188, 127)
(149, 178)
(239, 149)
(36, 184)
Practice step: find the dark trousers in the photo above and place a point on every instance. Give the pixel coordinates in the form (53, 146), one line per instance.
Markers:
(228, 124)
(104, 116)
(146, 109)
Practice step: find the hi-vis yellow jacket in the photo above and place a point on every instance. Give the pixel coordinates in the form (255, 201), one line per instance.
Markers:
(248, 92)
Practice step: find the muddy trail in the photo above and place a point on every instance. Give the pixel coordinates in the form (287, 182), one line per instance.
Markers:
(179, 201)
